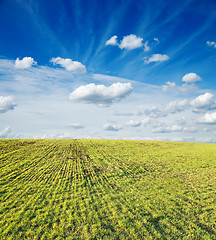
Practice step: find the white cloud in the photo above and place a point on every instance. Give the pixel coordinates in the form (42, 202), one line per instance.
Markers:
(203, 102)
(176, 106)
(134, 123)
(26, 62)
(171, 86)
(112, 41)
(69, 65)
(146, 47)
(155, 112)
(5, 132)
(52, 110)
(111, 127)
(174, 128)
(156, 40)
(76, 126)
(100, 94)
(191, 78)
(208, 118)
(157, 58)
(211, 44)
(171, 108)
(190, 129)
(131, 42)
(6, 104)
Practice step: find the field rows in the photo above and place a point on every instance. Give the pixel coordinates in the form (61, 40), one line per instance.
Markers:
(103, 189)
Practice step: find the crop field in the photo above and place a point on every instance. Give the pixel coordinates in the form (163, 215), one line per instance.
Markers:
(107, 189)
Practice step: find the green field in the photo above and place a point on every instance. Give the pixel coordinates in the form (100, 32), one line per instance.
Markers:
(107, 189)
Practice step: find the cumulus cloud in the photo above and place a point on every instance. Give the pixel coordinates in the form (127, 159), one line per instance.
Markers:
(189, 129)
(69, 65)
(176, 106)
(154, 112)
(6, 104)
(5, 132)
(146, 47)
(211, 44)
(157, 58)
(100, 94)
(171, 108)
(134, 123)
(171, 86)
(131, 42)
(191, 78)
(203, 102)
(208, 118)
(174, 128)
(76, 126)
(24, 63)
(111, 127)
(112, 41)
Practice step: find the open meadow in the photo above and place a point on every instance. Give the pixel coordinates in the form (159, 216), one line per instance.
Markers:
(107, 189)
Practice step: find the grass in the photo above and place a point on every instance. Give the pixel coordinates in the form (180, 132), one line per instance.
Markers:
(107, 189)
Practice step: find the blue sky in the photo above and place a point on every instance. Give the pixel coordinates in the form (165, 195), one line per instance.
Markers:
(108, 69)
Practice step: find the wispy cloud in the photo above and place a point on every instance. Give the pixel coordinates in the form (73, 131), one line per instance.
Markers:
(100, 94)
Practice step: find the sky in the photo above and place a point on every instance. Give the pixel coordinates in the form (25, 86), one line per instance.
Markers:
(142, 70)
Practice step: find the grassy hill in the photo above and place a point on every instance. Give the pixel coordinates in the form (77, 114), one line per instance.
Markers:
(107, 189)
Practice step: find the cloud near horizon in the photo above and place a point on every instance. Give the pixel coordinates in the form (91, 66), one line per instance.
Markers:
(5, 132)
(69, 64)
(76, 126)
(174, 128)
(100, 94)
(112, 127)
